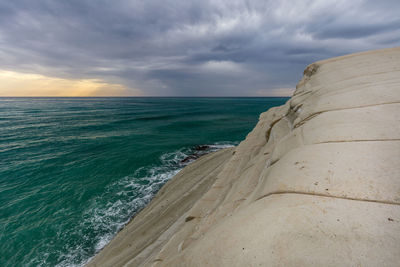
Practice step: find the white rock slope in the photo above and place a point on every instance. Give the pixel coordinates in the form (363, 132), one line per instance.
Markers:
(316, 183)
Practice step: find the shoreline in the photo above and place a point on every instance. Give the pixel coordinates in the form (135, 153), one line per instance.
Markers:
(192, 154)
(182, 191)
(298, 191)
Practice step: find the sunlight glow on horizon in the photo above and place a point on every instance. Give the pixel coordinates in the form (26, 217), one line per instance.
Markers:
(24, 84)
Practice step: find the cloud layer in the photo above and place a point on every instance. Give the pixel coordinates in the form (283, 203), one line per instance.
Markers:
(189, 48)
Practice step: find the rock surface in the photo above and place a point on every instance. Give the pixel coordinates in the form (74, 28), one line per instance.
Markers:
(316, 183)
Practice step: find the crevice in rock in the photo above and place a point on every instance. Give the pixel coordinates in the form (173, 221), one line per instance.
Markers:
(189, 218)
(361, 140)
(268, 133)
(326, 195)
(338, 109)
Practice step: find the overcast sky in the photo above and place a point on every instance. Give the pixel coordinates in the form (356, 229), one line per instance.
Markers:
(186, 47)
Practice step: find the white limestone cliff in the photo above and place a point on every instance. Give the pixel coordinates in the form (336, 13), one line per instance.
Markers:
(316, 183)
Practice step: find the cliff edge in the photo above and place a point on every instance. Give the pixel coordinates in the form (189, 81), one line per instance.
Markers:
(316, 183)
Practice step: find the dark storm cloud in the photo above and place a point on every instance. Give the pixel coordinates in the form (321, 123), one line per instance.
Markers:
(171, 47)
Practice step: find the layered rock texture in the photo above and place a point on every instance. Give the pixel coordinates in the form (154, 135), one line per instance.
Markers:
(316, 183)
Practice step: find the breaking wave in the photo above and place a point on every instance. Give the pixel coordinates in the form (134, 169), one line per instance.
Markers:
(127, 197)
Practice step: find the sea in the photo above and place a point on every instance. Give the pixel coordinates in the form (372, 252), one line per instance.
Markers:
(74, 171)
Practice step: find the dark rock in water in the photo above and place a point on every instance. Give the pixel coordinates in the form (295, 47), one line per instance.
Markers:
(198, 151)
(190, 158)
(201, 147)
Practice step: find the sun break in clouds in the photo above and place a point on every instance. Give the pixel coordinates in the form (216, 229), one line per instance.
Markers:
(22, 84)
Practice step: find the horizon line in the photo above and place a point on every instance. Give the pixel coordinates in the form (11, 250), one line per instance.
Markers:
(139, 96)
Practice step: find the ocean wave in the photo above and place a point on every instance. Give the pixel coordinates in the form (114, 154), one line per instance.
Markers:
(127, 197)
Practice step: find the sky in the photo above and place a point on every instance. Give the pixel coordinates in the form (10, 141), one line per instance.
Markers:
(180, 47)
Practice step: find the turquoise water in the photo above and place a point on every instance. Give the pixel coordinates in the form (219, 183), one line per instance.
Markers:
(73, 171)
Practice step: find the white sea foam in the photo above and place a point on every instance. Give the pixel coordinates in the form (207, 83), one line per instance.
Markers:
(128, 196)
(219, 146)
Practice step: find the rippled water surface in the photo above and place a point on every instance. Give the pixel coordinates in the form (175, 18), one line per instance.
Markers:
(73, 171)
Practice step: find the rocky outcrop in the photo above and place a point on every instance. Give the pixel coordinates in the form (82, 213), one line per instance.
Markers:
(316, 183)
